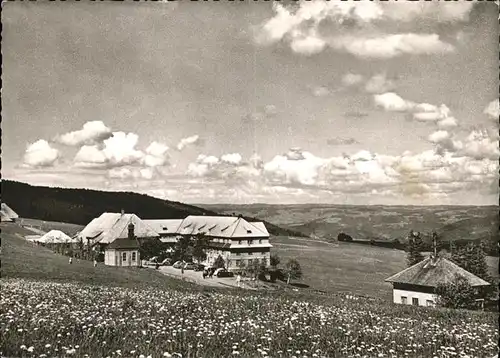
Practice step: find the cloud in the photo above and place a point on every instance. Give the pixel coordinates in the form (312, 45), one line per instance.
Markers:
(352, 79)
(447, 123)
(341, 141)
(156, 155)
(92, 132)
(479, 145)
(379, 84)
(234, 158)
(321, 91)
(118, 150)
(184, 142)
(40, 154)
(423, 112)
(295, 167)
(392, 102)
(348, 24)
(493, 109)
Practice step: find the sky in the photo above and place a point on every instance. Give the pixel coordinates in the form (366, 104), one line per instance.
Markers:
(371, 103)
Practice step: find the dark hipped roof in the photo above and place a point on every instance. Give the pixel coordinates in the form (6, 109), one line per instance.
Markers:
(124, 244)
(433, 271)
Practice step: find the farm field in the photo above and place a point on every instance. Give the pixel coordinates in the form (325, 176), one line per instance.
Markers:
(347, 267)
(382, 222)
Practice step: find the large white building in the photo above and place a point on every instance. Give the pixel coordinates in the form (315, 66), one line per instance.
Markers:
(416, 285)
(239, 242)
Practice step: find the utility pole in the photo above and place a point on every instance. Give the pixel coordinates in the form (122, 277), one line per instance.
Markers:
(434, 243)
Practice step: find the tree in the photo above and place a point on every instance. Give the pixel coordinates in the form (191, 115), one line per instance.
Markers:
(219, 262)
(293, 270)
(200, 243)
(414, 248)
(274, 260)
(456, 294)
(150, 248)
(182, 249)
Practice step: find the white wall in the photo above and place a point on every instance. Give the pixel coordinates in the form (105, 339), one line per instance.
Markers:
(422, 297)
(110, 258)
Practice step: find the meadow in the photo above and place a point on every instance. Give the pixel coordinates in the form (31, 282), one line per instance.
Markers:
(46, 319)
(50, 308)
(347, 267)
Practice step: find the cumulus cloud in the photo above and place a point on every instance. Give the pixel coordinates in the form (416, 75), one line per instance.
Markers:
(392, 102)
(350, 22)
(447, 123)
(118, 150)
(379, 83)
(233, 158)
(479, 145)
(184, 142)
(493, 109)
(156, 155)
(40, 154)
(266, 112)
(92, 132)
(423, 112)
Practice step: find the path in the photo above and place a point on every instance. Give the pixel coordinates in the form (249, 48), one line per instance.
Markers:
(196, 277)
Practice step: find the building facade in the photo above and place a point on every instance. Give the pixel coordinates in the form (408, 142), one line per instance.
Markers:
(416, 285)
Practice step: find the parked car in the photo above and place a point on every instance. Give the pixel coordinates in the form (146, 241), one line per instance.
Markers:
(189, 266)
(178, 264)
(166, 262)
(199, 267)
(225, 273)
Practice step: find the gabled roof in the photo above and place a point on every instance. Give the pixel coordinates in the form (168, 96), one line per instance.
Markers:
(164, 226)
(124, 244)
(434, 271)
(56, 237)
(220, 226)
(110, 226)
(7, 214)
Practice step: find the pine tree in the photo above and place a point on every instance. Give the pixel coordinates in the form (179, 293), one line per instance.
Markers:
(414, 248)
(456, 294)
(473, 259)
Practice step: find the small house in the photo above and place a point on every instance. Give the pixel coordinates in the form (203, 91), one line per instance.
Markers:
(123, 252)
(417, 284)
(7, 214)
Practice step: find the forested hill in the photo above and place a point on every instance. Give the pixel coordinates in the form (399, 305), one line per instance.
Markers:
(80, 206)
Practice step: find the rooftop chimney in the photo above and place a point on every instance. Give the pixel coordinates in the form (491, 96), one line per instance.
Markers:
(131, 231)
(123, 212)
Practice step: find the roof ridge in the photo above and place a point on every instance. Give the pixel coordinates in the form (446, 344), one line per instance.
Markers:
(406, 269)
(238, 219)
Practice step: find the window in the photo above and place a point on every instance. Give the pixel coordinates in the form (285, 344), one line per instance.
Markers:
(124, 256)
(404, 300)
(250, 262)
(239, 242)
(430, 303)
(238, 253)
(414, 301)
(250, 253)
(133, 256)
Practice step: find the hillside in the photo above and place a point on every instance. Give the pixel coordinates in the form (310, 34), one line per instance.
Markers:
(22, 259)
(378, 222)
(80, 206)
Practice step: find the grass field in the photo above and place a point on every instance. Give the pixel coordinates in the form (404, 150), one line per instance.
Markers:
(22, 259)
(46, 226)
(49, 308)
(347, 267)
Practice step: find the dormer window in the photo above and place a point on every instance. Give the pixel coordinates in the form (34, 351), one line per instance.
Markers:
(249, 231)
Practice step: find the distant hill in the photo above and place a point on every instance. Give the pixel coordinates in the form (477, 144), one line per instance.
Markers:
(385, 223)
(80, 206)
